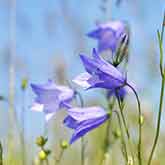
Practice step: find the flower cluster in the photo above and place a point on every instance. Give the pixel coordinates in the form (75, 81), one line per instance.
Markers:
(99, 73)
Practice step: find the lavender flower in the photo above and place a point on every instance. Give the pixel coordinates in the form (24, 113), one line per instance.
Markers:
(83, 120)
(51, 97)
(99, 74)
(119, 93)
(109, 35)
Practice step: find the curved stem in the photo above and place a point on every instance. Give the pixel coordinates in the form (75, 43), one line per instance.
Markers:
(159, 120)
(140, 125)
(123, 118)
(162, 70)
(125, 126)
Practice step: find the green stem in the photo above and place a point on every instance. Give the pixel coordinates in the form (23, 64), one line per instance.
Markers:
(159, 120)
(140, 125)
(106, 141)
(126, 127)
(161, 51)
(123, 118)
(82, 151)
(1, 154)
(23, 129)
(122, 136)
(59, 158)
(82, 139)
(162, 70)
(47, 161)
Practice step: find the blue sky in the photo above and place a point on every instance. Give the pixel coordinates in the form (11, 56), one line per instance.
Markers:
(36, 48)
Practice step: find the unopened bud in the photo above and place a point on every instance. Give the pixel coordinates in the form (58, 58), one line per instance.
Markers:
(117, 133)
(24, 84)
(42, 155)
(141, 119)
(64, 144)
(41, 141)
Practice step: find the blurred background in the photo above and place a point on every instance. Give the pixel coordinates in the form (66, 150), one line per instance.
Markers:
(41, 40)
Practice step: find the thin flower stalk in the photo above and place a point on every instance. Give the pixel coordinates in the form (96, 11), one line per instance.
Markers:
(125, 127)
(23, 128)
(162, 70)
(159, 120)
(47, 161)
(58, 160)
(139, 125)
(124, 146)
(82, 138)
(107, 134)
(1, 154)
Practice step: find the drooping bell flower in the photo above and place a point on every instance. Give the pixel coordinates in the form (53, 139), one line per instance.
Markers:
(109, 35)
(83, 120)
(51, 97)
(99, 74)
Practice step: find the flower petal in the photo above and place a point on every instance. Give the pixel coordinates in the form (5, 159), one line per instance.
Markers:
(37, 107)
(108, 35)
(49, 116)
(70, 122)
(82, 80)
(51, 97)
(66, 94)
(81, 114)
(47, 87)
(89, 64)
(86, 126)
(95, 33)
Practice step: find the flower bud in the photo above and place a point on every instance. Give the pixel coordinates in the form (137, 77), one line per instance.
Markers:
(24, 84)
(141, 119)
(117, 133)
(42, 155)
(41, 141)
(64, 144)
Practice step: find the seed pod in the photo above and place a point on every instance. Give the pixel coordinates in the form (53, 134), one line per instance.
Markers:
(42, 155)
(64, 144)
